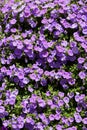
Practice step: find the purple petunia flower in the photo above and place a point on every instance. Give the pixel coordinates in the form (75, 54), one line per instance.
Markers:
(51, 117)
(60, 103)
(81, 60)
(70, 52)
(59, 127)
(84, 31)
(2, 109)
(66, 100)
(77, 117)
(61, 94)
(20, 75)
(13, 21)
(84, 120)
(82, 75)
(85, 65)
(43, 63)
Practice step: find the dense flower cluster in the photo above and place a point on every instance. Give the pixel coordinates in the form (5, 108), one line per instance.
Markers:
(43, 65)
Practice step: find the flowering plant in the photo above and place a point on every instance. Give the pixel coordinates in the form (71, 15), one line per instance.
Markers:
(43, 65)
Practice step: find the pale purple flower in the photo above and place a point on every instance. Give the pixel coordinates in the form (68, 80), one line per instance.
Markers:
(77, 97)
(66, 75)
(12, 21)
(81, 60)
(13, 30)
(61, 94)
(84, 120)
(64, 43)
(66, 100)
(78, 109)
(85, 65)
(30, 89)
(51, 117)
(2, 109)
(20, 75)
(74, 26)
(48, 93)
(49, 102)
(59, 127)
(77, 117)
(60, 103)
(57, 117)
(82, 75)
(84, 31)
(41, 103)
(25, 80)
(6, 123)
(70, 95)
(71, 119)
(70, 52)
